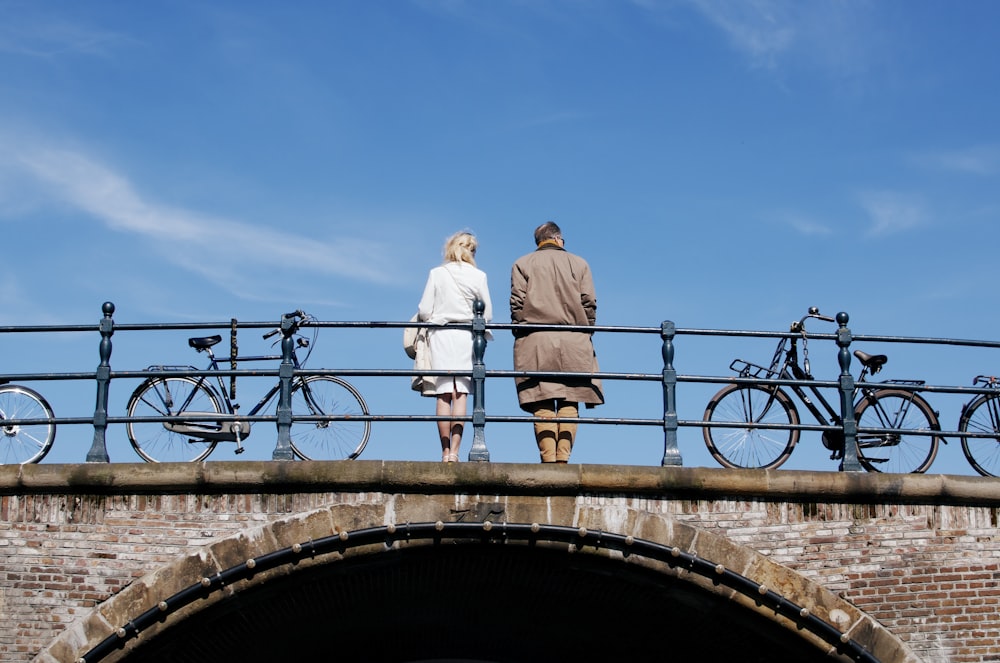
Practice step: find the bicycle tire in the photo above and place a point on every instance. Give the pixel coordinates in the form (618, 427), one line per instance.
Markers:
(24, 443)
(982, 415)
(751, 448)
(901, 454)
(326, 439)
(164, 397)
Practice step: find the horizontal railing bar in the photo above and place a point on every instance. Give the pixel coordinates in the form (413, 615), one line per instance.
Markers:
(27, 377)
(48, 328)
(925, 340)
(494, 326)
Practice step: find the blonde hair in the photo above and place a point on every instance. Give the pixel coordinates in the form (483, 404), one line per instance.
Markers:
(461, 247)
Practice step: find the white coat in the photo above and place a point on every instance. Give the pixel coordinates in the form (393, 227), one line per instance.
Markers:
(448, 295)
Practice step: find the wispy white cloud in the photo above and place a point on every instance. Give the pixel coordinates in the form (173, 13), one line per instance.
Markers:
(219, 249)
(40, 36)
(19, 301)
(893, 212)
(975, 160)
(805, 225)
(833, 36)
(763, 29)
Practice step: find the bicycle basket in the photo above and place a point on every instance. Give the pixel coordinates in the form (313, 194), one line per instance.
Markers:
(748, 370)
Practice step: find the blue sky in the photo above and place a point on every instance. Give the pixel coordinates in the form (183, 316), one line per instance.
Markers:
(722, 164)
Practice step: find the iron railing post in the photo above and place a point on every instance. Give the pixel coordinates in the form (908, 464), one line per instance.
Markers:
(99, 449)
(671, 454)
(478, 452)
(283, 449)
(850, 462)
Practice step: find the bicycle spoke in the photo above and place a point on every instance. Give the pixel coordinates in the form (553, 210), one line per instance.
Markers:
(982, 416)
(903, 449)
(159, 397)
(26, 442)
(750, 447)
(338, 430)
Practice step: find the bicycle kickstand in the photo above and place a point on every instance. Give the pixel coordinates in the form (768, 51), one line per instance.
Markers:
(238, 429)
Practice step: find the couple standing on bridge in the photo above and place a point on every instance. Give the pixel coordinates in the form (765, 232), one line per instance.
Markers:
(549, 286)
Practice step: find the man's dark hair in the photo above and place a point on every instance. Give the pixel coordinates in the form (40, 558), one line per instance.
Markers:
(548, 230)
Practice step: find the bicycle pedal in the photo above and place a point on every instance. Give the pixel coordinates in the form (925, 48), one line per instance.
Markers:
(239, 451)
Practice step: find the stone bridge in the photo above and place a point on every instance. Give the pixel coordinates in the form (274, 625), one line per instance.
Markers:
(411, 561)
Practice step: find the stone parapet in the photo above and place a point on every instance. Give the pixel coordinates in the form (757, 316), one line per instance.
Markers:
(507, 478)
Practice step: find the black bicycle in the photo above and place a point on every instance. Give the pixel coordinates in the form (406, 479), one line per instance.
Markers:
(184, 418)
(890, 418)
(980, 428)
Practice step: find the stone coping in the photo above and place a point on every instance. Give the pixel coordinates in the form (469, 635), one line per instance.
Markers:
(694, 483)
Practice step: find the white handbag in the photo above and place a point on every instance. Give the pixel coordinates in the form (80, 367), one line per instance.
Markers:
(410, 335)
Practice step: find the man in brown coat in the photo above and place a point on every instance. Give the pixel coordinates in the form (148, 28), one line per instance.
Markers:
(551, 286)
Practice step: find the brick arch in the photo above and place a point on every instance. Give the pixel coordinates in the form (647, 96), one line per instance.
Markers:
(697, 569)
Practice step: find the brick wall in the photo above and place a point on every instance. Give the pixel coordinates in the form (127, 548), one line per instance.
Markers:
(60, 555)
(928, 572)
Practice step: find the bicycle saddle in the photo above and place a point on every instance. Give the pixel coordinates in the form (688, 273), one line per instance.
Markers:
(873, 362)
(203, 342)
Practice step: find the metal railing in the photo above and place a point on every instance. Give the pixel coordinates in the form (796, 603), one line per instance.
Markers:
(666, 376)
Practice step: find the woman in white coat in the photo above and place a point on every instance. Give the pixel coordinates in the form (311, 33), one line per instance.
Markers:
(451, 288)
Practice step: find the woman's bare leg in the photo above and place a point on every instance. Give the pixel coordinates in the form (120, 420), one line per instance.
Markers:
(444, 425)
(458, 408)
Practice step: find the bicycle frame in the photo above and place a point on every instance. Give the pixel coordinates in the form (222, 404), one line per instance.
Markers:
(792, 370)
(183, 415)
(235, 430)
(786, 356)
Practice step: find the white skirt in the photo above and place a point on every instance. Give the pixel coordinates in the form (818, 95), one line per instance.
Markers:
(451, 350)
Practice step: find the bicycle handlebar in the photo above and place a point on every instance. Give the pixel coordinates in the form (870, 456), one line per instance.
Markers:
(813, 313)
(300, 314)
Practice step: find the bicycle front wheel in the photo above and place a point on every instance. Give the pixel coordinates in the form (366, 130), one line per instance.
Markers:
(896, 452)
(25, 442)
(333, 432)
(169, 397)
(759, 448)
(982, 415)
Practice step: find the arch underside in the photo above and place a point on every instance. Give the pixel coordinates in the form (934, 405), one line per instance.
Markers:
(475, 603)
(477, 598)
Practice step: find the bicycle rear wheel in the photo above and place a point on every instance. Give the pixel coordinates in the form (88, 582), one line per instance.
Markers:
(897, 452)
(982, 415)
(322, 438)
(169, 397)
(760, 448)
(28, 442)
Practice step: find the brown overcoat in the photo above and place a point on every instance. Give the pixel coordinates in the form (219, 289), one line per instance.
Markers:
(551, 286)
